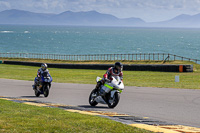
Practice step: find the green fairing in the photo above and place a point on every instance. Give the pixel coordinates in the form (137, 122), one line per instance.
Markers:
(108, 86)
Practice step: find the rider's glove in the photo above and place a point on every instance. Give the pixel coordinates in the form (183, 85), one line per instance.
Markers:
(108, 80)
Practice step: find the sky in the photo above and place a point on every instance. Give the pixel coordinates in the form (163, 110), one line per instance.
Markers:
(148, 10)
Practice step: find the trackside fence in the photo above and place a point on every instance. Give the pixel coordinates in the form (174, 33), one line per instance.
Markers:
(101, 57)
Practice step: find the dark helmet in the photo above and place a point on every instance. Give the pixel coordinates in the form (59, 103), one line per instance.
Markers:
(118, 66)
(44, 66)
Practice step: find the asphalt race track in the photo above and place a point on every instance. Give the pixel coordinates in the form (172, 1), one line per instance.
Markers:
(178, 106)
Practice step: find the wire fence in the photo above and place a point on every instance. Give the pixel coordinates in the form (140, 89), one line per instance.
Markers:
(102, 57)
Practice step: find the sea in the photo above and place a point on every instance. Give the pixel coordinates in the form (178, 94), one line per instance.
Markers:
(85, 40)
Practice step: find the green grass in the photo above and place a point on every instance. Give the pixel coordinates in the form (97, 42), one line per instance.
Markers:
(18, 118)
(85, 76)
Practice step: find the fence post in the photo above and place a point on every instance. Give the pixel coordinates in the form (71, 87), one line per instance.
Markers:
(163, 56)
(132, 57)
(168, 57)
(136, 57)
(149, 56)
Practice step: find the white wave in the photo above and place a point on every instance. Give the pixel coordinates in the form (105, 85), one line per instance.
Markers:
(6, 31)
(26, 32)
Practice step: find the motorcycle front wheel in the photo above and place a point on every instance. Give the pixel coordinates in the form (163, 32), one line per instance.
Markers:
(92, 96)
(37, 93)
(46, 91)
(112, 102)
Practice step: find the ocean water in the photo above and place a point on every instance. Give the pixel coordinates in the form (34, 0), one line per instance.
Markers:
(99, 40)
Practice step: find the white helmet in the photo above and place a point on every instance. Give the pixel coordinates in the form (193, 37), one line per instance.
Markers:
(44, 66)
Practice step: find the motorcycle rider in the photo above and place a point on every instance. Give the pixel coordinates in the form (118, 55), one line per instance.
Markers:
(112, 71)
(39, 73)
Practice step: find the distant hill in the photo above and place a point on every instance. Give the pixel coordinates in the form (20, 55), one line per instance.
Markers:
(24, 17)
(91, 18)
(184, 20)
(84, 18)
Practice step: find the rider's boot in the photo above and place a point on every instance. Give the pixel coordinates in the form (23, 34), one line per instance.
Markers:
(98, 85)
(33, 86)
(36, 83)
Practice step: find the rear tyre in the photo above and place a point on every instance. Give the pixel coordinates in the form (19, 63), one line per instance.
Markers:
(113, 102)
(92, 96)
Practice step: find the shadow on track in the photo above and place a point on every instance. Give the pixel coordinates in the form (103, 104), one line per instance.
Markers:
(31, 97)
(93, 107)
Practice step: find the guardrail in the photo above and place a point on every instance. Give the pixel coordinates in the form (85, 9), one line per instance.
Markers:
(101, 57)
(132, 67)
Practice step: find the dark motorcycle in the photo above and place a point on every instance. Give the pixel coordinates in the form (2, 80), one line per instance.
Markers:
(44, 85)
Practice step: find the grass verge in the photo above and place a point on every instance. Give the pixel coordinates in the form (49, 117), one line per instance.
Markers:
(19, 117)
(86, 76)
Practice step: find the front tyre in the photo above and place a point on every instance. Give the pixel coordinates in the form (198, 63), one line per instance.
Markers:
(112, 102)
(46, 91)
(37, 93)
(92, 97)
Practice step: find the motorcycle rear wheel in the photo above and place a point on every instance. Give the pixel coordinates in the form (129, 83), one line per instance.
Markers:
(91, 97)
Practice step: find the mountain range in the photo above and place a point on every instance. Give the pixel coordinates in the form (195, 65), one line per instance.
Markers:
(91, 18)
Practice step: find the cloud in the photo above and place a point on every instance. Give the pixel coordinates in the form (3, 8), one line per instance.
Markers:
(146, 9)
(4, 5)
(104, 4)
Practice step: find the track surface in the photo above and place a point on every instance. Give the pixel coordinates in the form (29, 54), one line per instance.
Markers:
(177, 106)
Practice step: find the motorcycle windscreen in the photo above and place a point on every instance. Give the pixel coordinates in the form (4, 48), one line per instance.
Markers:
(45, 74)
